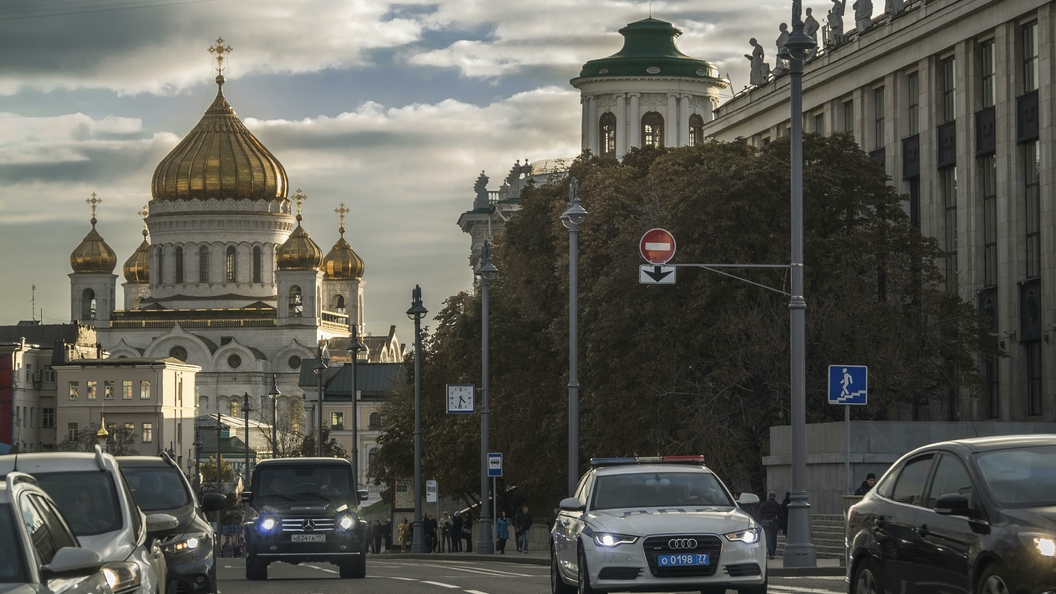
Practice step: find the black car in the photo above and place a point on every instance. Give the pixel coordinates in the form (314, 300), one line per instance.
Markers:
(158, 486)
(973, 515)
(303, 510)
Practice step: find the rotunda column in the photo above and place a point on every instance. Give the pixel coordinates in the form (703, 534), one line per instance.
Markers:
(621, 125)
(584, 101)
(670, 127)
(635, 123)
(683, 122)
(593, 127)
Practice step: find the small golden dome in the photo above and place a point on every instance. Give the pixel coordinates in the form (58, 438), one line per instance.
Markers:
(299, 252)
(137, 267)
(220, 158)
(93, 256)
(342, 263)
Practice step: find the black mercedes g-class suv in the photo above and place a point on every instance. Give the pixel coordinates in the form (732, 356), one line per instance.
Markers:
(302, 510)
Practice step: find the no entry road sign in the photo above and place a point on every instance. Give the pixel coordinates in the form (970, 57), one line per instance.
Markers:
(657, 246)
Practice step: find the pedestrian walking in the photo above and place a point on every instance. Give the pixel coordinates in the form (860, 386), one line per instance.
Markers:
(456, 532)
(867, 484)
(377, 535)
(404, 533)
(770, 518)
(522, 523)
(445, 532)
(502, 532)
(784, 512)
(432, 526)
(467, 531)
(386, 532)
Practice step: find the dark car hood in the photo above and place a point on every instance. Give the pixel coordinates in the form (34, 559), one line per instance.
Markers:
(1040, 518)
(306, 507)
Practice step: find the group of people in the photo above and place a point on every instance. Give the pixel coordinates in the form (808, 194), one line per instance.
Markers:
(447, 533)
(522, 522)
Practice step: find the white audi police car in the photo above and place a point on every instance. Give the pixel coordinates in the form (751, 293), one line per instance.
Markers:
(655, 525)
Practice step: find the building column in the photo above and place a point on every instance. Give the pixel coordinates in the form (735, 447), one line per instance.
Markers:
(635, 123)
(683, 122)
(584, 102)
(1046, 55)
(1008, 222)
(670, 126)
(621, 125)
(592, 127)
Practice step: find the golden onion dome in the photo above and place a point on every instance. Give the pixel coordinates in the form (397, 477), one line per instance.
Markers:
(137, 267)
(299, 252)
(220, 158)
(342, 263)
(93, 256)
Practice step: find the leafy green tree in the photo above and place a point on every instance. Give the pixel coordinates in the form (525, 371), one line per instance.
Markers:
(331, 447)
(208, 470)
(119, 442)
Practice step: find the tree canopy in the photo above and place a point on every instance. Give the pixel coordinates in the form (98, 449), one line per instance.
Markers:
(702, 366)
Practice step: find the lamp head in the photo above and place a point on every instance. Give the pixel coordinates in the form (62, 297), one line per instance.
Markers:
(324, 354)
(575, 213)
(356, 346)
(417, 310)
(197, 444)
(246, 406)
(487, 269)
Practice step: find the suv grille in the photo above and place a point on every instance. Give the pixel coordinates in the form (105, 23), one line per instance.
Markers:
(308, 525)
(706, 543)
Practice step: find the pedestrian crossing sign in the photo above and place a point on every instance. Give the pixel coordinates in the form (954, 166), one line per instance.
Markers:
(848, 384)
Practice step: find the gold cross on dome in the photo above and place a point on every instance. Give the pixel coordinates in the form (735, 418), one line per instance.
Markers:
(94, 201)
(342, 211)
(143, 212)
(299, 197)
(219, 50)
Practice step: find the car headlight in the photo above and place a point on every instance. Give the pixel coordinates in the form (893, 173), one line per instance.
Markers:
(748, 536)
(122, 577)
(185, 542)
(269, 524)
(607, 539)
(1045, 544)
(346, 522)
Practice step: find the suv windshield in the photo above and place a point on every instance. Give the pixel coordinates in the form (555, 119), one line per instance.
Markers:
(11, 565)
(156, 488)
(304, 482)
(659, 489)
(88, 500)
(1021, 477)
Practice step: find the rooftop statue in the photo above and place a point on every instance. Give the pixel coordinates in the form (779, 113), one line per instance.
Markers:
(760, 72)
(893, 8)
(863, 15)
(782, 65)
(836, 22)
(810, 27)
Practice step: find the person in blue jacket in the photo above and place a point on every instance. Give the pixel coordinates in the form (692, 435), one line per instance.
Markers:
(502, 531)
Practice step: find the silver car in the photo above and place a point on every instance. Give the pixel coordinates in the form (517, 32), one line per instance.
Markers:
(38, 552)
(94, 499)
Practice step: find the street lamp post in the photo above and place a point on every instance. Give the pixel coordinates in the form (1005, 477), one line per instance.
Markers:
(799, 549)
(219, 486)
(572, 218)
(274, 393)
(485, 544)
(354, 349)
(416, 313)
(246, 409)
(320, 372)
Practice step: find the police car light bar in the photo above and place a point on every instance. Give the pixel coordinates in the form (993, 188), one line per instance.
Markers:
(647, 460)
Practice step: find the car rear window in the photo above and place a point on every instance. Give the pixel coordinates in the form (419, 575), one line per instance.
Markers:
(1020, 477)
(156, 488)
(12, 564)
(88, 500)
(659, 489)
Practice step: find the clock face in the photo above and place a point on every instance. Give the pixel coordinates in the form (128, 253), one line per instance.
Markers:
(460, 398)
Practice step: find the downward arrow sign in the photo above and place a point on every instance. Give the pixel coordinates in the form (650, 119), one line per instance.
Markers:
(657, 273)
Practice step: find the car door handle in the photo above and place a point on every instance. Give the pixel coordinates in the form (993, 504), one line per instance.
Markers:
(923, 531)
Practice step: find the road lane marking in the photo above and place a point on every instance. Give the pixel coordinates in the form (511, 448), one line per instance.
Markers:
(402, 579)
(802, 590)
(442, 584)
(474, 592)
(327, 570)
(478, 570)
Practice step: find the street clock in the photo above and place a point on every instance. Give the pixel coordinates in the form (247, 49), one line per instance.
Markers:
(460, 399)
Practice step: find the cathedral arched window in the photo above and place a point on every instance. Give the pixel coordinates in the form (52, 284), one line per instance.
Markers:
(177, 256)
(296, 302)
(652, 129)
(339, 304)
(696, 129)
(374, 421)
(161, 264)
(203, 264)
(236, 410)
(607, 132)
(258, 264)
(88, 305)
(229, 265)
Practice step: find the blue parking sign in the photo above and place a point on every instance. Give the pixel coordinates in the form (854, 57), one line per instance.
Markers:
(848, 384)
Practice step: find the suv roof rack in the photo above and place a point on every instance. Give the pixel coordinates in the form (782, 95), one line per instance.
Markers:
(618, 461)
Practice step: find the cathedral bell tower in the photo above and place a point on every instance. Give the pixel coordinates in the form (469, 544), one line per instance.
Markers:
(298, 276)
(93, 282)
(343, 278)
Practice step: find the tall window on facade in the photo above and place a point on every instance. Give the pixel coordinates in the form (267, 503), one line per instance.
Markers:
(696, 129)
(236, 410)
(653, 129)
(337, 421)
(71, 431)
(988, 166)
(126, 389)
(177, 257)
(988, 64)
(258, 265)
(847, 114)
(607, 133)
(913, 103)
(948, 182)
(1030, 57)
(1033, 207)
(92, 390)
(144, 389)
(147, 432)
(1033, 353)
(339, 304)
(75, 390)
(88, 305)
(819, 124)
(108, 389)
(949, 90)
(229, 265)
(47, 418)
(296, 302)
(374, 421)
(203, 264)
(161, 266)
(878, 117)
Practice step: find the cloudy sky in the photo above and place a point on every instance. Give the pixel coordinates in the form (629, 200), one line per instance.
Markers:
(391, 108)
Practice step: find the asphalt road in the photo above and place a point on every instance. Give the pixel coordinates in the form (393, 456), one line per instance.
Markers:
(411, 576)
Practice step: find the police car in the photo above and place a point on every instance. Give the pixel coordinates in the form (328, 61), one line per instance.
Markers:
(655, 525)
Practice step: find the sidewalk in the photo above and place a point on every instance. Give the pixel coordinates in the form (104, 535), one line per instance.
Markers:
(774, 567)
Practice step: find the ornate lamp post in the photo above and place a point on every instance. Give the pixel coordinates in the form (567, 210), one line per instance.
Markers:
(274, 393)
(572, 218)
(246, 409)
(799, 549)
(320, 371)
(485, 544)
(354, 349)
(416, 313)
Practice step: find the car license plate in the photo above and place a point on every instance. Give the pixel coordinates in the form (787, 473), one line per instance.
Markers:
(683, 559)
(308, 538)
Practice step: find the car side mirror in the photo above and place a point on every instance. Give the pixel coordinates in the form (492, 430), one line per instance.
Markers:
(212, 502)
(160, 523)
(748, 499)
(952, 504)
(246, 496)
(362, 494)
(572, 504)
(71, 562)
